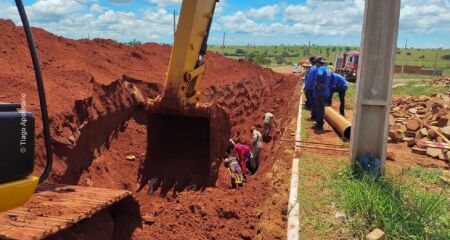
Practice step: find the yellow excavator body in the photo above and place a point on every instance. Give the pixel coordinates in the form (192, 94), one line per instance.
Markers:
(17, 193)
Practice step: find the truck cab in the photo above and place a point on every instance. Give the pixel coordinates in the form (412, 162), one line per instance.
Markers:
(347, 65)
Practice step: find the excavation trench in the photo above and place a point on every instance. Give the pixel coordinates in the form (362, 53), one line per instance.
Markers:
(173, 151)
(96, 130)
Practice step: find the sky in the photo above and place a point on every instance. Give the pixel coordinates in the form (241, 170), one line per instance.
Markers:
(423, 23)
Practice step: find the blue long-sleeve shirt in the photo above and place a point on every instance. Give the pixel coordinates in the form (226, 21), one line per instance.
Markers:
(322, 82)
(338, 81)
(309, 79)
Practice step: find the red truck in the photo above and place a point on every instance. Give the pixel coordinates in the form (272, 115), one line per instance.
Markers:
(347, 65)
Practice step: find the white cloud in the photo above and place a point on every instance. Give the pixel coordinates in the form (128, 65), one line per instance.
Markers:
(240, 23)
(75, 20)
(220, 7)
(163, 3)
(315, 18)
(341, 18)
(266, 12)
(52, 10)
(425, 16)
(8, 11)
(310, 18)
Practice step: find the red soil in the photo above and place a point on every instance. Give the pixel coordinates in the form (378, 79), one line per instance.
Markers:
(94, 127)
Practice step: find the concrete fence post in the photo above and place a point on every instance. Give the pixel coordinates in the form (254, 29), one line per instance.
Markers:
(375, 78)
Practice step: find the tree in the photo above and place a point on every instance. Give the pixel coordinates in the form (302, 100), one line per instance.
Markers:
(134, 43)
(348, 49)
(446, 57)
(408, 54)
(240, 51)
(260, 58)
(423, 57)
(251, 57)
(280, 59)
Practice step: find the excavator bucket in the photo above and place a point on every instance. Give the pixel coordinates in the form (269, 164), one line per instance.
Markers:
(185, 147)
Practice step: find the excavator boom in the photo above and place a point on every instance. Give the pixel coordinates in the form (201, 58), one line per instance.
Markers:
(186, 61)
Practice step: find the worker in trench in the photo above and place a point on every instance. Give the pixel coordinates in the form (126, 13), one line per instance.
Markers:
(269, 119)
(232, 164)
(309, 86)
(243, 152)
(321, 91)
(256, 149)
(338, 85)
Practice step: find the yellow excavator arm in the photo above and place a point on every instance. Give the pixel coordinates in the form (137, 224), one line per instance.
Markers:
(186, 61)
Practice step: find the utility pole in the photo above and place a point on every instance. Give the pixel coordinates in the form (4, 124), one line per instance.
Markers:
(435, 62)
(223, 44)
(403, 65)
(309, 47)
(174, 25)
(375, 77)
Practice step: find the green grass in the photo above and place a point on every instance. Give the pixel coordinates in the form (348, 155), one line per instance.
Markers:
(293, 54)
(305, 124)
(317, 197)
(418, 88)
(412, 76)
(408, 203)
(429, 176)
(400, 209)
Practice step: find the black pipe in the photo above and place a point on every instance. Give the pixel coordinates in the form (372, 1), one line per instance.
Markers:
(41, 89)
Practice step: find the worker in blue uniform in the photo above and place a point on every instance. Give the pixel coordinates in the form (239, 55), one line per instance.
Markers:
(321, 91)
(309, 79)
(338, 85)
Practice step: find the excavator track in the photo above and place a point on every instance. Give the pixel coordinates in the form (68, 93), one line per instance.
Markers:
(55, 208)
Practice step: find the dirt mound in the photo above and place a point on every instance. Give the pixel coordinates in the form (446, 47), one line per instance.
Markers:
(94, 128)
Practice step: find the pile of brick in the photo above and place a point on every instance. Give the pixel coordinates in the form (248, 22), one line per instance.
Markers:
(441, 81)
(423, 123)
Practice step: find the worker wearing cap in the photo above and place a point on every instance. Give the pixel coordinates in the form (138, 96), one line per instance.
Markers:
(321, 91)
(309, 79)
(339, 85)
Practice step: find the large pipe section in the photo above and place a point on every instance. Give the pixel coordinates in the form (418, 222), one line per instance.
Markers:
(338, 122)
